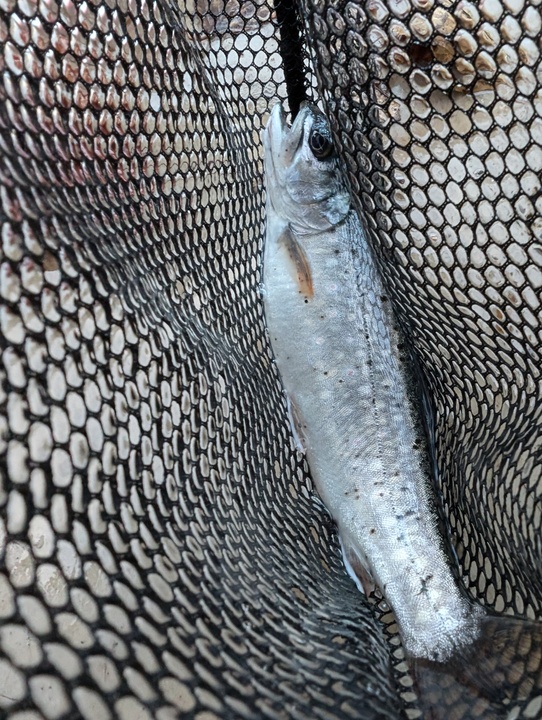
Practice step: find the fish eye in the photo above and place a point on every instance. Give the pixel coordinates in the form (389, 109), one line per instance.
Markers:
(320, 145)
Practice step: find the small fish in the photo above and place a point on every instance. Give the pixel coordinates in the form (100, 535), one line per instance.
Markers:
(350, 393)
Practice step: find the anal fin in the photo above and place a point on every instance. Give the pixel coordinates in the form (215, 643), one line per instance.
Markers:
(296, 425)
(358, 569)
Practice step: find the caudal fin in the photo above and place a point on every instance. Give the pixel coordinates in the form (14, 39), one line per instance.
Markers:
(502, 669)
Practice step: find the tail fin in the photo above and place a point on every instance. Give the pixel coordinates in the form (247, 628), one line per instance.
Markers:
(501, 669)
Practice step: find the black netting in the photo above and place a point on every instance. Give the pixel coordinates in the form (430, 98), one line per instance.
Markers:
(163, 551)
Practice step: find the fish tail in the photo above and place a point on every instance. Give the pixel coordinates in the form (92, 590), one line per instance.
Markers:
(502, 668)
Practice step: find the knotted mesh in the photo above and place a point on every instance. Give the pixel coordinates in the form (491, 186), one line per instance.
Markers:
(163, 550)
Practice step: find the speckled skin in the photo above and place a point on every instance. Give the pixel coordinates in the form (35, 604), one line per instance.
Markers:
(338, 356)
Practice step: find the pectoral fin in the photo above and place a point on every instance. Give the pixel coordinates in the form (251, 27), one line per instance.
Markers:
(300, 262)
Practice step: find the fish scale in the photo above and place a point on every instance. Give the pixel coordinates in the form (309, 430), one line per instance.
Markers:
(343, 374)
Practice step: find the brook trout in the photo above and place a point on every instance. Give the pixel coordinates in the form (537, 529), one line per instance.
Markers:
(351, 396)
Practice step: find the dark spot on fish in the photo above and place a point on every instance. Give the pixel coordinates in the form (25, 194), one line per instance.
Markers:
(325, 372)
(384, 298)
(409, 513)
(336, 252)
(397, 473)
(372, 531)
(321, 317)
(399, 516)
(424, 582)
(404, 488)
(369, 363)
(341, 381)
(381, 494)
(306, 301)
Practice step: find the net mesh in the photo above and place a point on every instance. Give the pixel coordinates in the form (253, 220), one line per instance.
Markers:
(163, 550)
(438, 112)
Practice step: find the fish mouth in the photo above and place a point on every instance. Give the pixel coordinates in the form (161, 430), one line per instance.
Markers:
(284, 140)
(276, 131)
(277, 120)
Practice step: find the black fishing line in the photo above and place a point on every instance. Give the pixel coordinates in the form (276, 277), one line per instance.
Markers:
(291, 49)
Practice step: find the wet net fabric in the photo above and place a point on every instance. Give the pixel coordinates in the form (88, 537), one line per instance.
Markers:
(437, 108)
(163, 551)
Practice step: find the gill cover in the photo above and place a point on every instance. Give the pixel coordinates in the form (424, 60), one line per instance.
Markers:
(305, 186)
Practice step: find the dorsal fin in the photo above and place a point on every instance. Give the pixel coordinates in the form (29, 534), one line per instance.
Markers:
(300, 261)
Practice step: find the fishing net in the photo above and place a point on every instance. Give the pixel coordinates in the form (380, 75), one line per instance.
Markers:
(164, 553)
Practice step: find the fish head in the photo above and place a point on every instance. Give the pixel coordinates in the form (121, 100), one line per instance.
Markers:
(305, 185)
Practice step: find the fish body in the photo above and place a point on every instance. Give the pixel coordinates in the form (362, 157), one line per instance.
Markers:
(340, 358)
